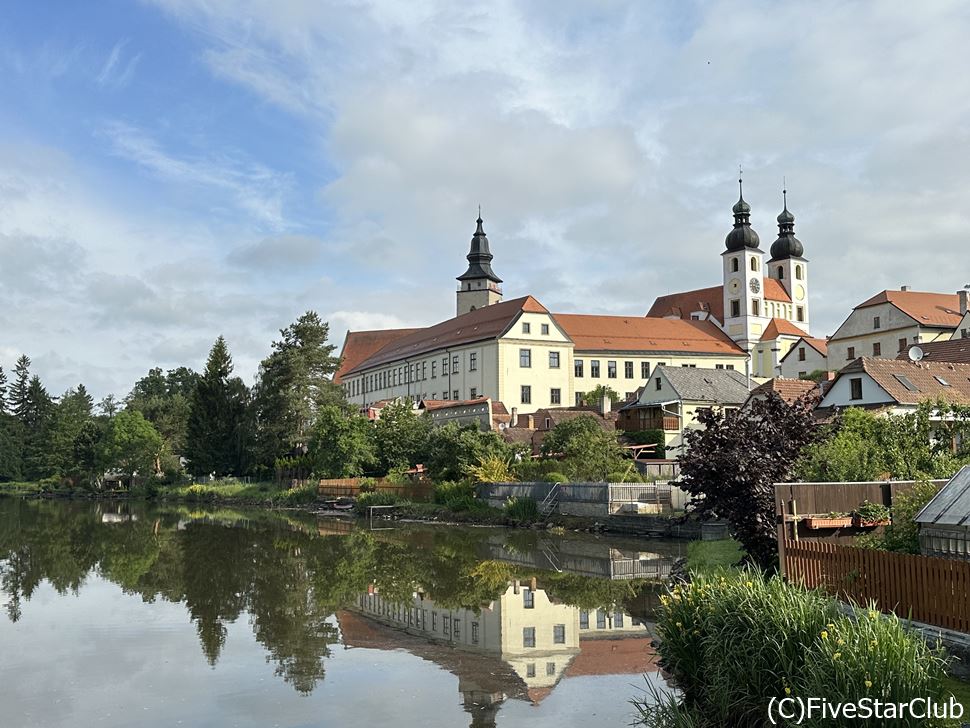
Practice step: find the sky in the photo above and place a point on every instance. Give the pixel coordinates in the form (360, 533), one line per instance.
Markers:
(176, 170)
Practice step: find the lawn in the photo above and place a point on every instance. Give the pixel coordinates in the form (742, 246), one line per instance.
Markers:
(707, 556)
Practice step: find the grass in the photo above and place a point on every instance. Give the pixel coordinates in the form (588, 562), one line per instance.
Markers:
(704, 557)
(14, 488)
(961, 691)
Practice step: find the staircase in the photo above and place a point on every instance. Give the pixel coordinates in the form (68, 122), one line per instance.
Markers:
(551, 552)
(549, 504)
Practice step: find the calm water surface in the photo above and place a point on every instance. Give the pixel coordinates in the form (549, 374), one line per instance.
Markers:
(126, 615)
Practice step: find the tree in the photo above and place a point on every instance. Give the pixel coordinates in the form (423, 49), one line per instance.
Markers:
(70, 415)
(21, 383)
(294, 381)
(402, 436)
(594, 397)
(733, 461)
(10, 448)
(589, 451)
(131, 445)
(216, 431)
(36, 415)
(164, 400)
(89, 453)
(3, 392)
(108, 406)
(453, 450)
(342, 445)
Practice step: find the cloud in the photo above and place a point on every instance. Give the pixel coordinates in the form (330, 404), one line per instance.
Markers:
(116, 71)
(283, 253)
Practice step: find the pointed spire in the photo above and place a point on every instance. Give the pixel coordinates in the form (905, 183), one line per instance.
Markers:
(742, 236)
(787, 245)
(479, 256)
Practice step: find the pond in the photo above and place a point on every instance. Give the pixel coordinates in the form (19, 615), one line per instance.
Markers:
(118, 614)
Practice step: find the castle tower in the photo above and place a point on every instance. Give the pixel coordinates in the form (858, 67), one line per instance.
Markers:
(478, 286)
(745, 313)
(789, 267)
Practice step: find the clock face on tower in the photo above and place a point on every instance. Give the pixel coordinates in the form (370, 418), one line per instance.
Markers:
(799, 292)
(754, 285)
(734, 285)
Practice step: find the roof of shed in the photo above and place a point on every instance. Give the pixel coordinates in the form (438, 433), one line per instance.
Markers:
(951, 506)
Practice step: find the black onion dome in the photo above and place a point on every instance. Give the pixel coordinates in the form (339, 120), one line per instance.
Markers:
(742, 236)
(479, 258)
(787, 245)
(741, 207)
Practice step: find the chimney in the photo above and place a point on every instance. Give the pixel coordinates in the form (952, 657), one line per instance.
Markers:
(964, 296)
(606, 404)
(904, 288)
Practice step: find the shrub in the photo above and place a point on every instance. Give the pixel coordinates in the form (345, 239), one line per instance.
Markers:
(536, 470)
(522, 509)
(872, 512)
(364, 500)
(734, 641)
(491, 469)
(299, 496)
(902, 535)
(649, 437)
(451, 490)
(367, 485)
(555, 477)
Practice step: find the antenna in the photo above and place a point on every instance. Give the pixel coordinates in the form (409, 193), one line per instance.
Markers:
(915, 354)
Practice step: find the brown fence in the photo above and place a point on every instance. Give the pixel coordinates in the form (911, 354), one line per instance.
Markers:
(350, 488)
(926, 589)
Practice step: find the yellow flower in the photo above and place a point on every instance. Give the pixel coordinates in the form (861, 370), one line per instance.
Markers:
(830, 625)
(837, 655)
(750, 583)
(873, 643)
(679, 625)
(873, 614)
(841, 642)
(868, 684)
(824, 634)
(787, 691)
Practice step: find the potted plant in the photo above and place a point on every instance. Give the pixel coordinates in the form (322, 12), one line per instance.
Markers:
(870, 515)
(831, 520)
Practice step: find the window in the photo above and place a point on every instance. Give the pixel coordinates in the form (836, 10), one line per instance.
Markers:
(850, 353)
(594, 368)
(611, 369)
(876, 348)
(528, 598)
(544, 329)
(800, 313)
(446, 623)
(584, 619)
(559, 634)
(530, 670)
(755, 307)
(618, 619)
(454, 364)
(434, 369)
(781, 273)
(473, 393)
(856, 388)
(434, 621)
(600, 619)
(876, 324)
(735, 308)
(526, 394)
(578, 368)
(902, 344)
(802, 375)
(645, 370)
(550, 668)
(735, 265)
(525, 358)
(553, 359)
(941, 380)
(424, 370)
(730, 367)
(801, 354)
(526, 328)
(628, 369)
(798, 272)
(528, 636)
(718, 366)
(454, 395)
(472, 362)
(457, 628)
(657, 380)
(474, 633)
(904, 380)
(555, 396)
(579, 398)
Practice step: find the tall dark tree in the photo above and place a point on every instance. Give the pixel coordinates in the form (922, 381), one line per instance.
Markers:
(36, 415)
(733, 461)
(217, 421)
(18, 390)
(164, 400)
(295, 380)
(69, 416)
(3, 391)
(108, 406)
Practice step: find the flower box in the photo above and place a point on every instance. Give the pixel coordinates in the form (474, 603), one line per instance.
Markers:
(815, 522)
(859, 522)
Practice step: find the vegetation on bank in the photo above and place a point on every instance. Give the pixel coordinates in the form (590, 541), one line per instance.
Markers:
(734, 640)
(704, 557)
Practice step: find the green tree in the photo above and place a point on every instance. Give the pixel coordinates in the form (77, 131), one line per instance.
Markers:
(402, 436)
(454, 449)
(18, 390)
(10, 448)
(342, 445)
(848, 450)
(70, 415)
(589, 451)
(108, 406)
(217, 424)
(3, 392)
(89, 453)
(164, 400)
(36, 415)
(294, 381)
(131, 444)
(594, 397)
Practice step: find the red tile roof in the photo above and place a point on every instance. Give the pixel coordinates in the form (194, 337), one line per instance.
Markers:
(649, 334)
(790, 390)
(820, 345)
(781, 327)
(483, 323)
(929, 309)
(922, 375)
(955, 350)
(624, 656)
(682, 305)
(359, 345)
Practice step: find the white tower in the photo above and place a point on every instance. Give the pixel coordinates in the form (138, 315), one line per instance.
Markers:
(478, 286)
(789, 267)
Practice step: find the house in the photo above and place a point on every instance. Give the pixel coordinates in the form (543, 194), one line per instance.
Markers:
(790, 391)
(944, 522)
(897, 385)
(805, 356)
(891, 321)
(956, 350)
(762, 302)
(538, 424)
(482, 412)
(670, 403)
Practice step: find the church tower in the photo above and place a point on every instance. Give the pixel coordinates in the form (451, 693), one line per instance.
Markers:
(745, 312)
(478, 286)
(789, 268)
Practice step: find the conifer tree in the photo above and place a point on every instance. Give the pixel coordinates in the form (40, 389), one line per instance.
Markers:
(3, 391)
(18, 390)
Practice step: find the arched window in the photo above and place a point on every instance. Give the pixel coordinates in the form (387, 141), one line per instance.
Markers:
(754, 264)
(734, 265)
(798, 272)
(781, 273)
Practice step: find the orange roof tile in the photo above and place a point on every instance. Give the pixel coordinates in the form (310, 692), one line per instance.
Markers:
(682, 305)
(624, 656)
(487, 322)
(929, 309)
(774, 291)
(955, 350)
(922, 375)
(820, 345)
(781, 327)
(649, 334)
(790, 390)
(359, 345)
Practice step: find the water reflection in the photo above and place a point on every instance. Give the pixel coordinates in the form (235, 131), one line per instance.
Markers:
(510, 614)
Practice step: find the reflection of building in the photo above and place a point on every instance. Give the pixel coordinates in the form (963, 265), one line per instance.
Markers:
(520, 645)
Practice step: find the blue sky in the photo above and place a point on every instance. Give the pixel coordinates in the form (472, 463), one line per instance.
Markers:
(172, 170)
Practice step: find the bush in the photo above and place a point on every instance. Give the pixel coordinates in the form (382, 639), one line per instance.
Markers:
(525, 510)
(734, 641)
(630, 475)
(536, 470)
(364, 500)
(451, 490)
(299, 496)
(555, 477)
(649, 437)
(902, 535)
(367, 485)
(491, 469)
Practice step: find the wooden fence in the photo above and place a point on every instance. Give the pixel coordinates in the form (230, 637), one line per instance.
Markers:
(350, 488)
(923, 588)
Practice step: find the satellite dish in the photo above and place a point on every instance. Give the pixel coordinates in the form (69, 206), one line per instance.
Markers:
(916, 354)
